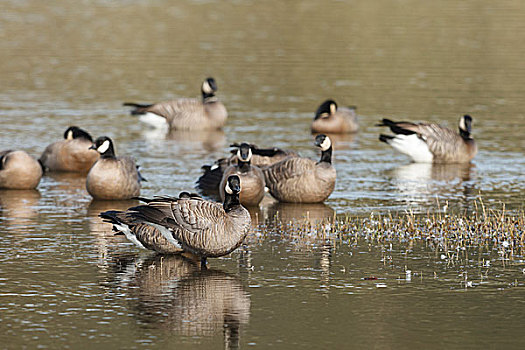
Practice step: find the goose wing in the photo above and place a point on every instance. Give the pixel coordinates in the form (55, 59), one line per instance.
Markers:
(183, 109)
(287, 169)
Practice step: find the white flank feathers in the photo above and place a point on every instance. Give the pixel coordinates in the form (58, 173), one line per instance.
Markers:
(129, 235)
(154, 120)
(412, 146)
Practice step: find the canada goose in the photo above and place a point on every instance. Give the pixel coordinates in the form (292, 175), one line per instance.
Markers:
(112, 177)
(209, 182)
(71, 154)
(331, 119)
(185, 113)
(252, 178)
(302, 180)
(19, 171)
(426, 143)
(186, 224)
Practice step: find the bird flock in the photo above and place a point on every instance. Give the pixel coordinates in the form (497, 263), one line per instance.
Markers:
(202, 228)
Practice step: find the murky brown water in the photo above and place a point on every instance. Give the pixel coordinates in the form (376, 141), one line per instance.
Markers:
(65, 281)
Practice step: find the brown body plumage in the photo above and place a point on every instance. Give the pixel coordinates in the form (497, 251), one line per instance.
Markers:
(191, 224)
(71, 154)
(330, 119)
(18, 170)
(436, 143)
(189, 114)
(112, 177)
(302, 180)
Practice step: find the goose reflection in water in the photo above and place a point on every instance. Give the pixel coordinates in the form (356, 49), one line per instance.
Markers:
(208, 140)
(173, 293)
(19, 207)
(422, 182)
(300, 213)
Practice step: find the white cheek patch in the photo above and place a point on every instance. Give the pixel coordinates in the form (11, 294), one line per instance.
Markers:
(103, 147)
(206, 87)
(228, 189)
(249, 155)
(333, 108)
(326, 144)
(462, 125)
(69, 135)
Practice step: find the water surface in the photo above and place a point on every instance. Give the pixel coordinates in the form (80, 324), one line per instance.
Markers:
(66, 281)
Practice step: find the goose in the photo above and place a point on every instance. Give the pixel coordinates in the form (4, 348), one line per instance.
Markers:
(112, 177)
(71, 154)
(427, 143)
(302, 180)
(252, 178)
(187, 224)
(19, 171)
(331, 119)
(185, 113)
(209, 182)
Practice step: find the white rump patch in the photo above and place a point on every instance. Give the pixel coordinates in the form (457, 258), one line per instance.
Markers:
(327, 143)
(412, 146)
(129, 235)
(206, 88)
(154, 120)
(103, 147)
(227, 188)
(167, 234)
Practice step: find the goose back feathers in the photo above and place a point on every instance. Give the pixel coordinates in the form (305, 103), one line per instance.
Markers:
(112, 177)
(189, 223)
(331, 119)
(185, 113)
(425, 142)
(18, 170)
(72, 154)
(302, 180)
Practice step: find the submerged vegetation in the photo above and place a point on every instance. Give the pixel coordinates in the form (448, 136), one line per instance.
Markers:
(449, 232)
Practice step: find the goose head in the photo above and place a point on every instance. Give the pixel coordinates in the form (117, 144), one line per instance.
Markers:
(104, 146)
(465, 126)
(209, 87)
(326, 109)
(74, 132)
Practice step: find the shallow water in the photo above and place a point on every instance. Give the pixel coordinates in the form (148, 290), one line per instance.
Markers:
(65, 281)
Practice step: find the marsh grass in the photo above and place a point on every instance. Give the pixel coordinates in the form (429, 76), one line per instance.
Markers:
(447, 232)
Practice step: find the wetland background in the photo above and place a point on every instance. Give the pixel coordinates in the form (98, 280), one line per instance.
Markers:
(65, 281)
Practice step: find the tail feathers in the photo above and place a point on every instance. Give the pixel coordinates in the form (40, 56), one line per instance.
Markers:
(397, 127)
(139, 108)
(209, 182)
(115, 218)
(385, 138)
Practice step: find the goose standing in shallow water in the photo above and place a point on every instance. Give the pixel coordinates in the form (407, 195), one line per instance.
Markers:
(302, 180)
(185, 113)
(331, 119)
(19, 171)
(252, 178)
(112, 177)
(71, 154)
(426, 143)
(186, 224)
